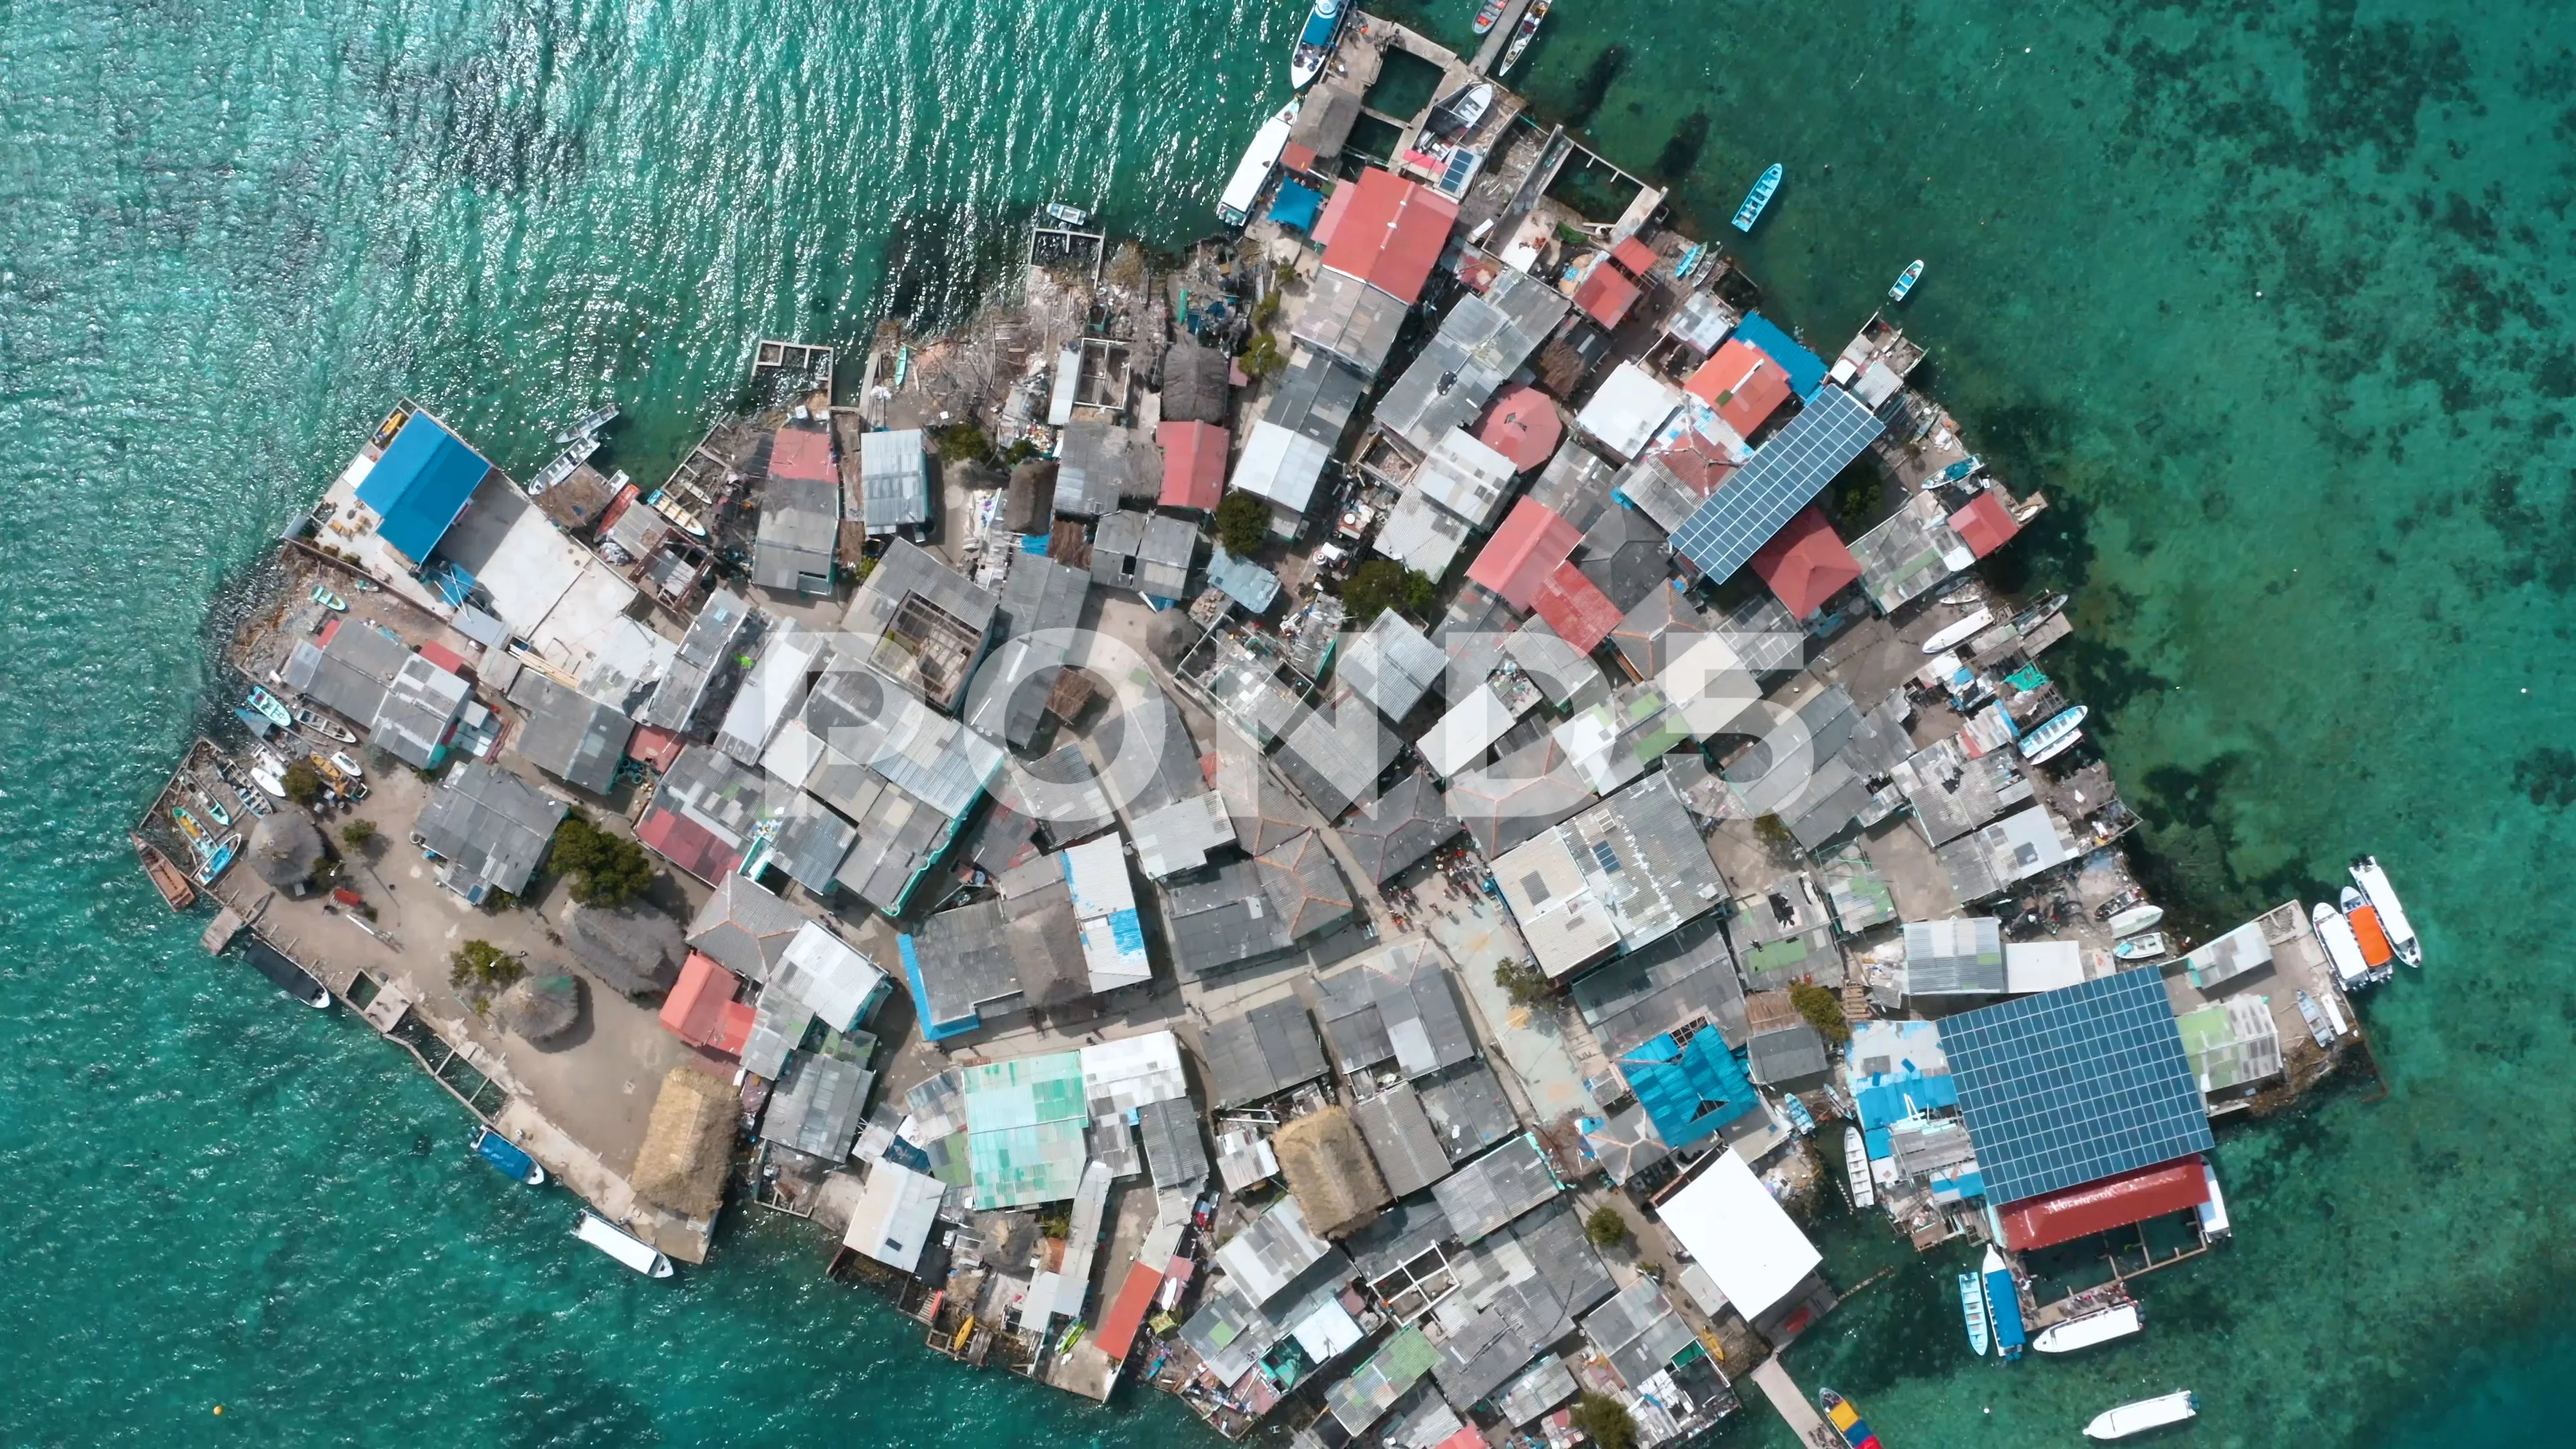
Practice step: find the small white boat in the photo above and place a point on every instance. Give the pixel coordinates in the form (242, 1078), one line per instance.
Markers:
(270, 708)
(346, 766)
(2054, 748)
(622, 1245)
(1960, 631)
(269, 779)
(1856, 1167)
(590, 423)
(1526, 32)
(2141, 948)
(1063, 215)
(2051, 736)
(563, 465)
(2143, 1415)
(1905, 283)
(2392, 916)
(2135, 919)
(2118, 1321)
(2342, 947)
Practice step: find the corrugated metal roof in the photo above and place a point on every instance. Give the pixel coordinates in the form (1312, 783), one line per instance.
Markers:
(1175, 1148)
(575, 739)
(1786, 1055)
(1392, 665)
(490, 825)
(1640, 995)
(1401, 1139)
(1481, 343)
(1467, 1108)
(1493, 1189)
(1399, 828)
(1961, 956)
(1350, 319)
(800, 530)
(1262, 1053)
(894, 479)
(817, 1105)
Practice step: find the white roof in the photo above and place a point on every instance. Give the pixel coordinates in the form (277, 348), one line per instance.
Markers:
(1104, 903)
(1470, 726)
(1328, 1332)
(774, 688)
(1421, 535)
(2032, 966)
(1280, 465)
(1728, 1221)
(827, 974)
(1132, 1072)
(897, 1211)
(1465, 476)
(1629, 409)
(1565, 925)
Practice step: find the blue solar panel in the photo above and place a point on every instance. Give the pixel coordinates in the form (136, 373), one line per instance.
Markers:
(1781, 477)
(2074, 1085)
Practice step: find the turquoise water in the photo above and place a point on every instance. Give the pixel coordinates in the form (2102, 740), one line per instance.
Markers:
(2274, 305)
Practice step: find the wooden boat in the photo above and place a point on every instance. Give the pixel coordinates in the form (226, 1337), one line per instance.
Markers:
(191, 831)
(329, 600)
(270, 708)
(1972, 1304)
(591, 422)
(2376, 953)
(1959, 631)
(1487, 14)
(2003, 1304)
(2392, 916)
(1521, 37)
(206, 801)
(1690, 261)
(219, 858)
(175, 891)
(622, 1245)
(2141, 948)
(2136, 919)
(2051, 731)
(329, 728)
(1844, 1415)
(1758, 198)
(561, 468)
(2145, 1414)
(2118, 1321)
(242, 788)
(1864, 1190)
(1905, 284)
(507, 1157)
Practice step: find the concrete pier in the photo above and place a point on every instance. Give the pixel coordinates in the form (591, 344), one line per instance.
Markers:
(1776, 1385)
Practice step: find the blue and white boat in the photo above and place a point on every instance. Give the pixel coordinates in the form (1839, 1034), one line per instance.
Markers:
(2055, 731)
(1690, 261)
(269, 706)
(1315, 43)
(507, 1156)
(1905, 284)
(1972, 1303)
(2003, 1305)
(1758, 198)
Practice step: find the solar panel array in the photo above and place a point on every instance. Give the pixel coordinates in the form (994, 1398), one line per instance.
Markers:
(1781, 477)
(2074, 1085)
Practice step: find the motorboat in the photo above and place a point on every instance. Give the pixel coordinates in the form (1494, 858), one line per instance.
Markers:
(1460, 111)
(2052, 732)
(2003, 1304)
(2135, 919)
(2145, 1414)
(590, 424)
(219, 858)
(1959, 631)
(622, 1245)
(1063, 215)
(2376, 953)
(2141, 948)
(318, 723)
(271, 708)
(1487, 14)
(508, 1157)
(2342, 948)
(2054, 748)
(2392, 916)
(207, 802)
(329, 600)
(563, 465)
(346, 766)
(1315, 41)
(1864, 1190)
(1526, 32)
(1758, 198)
(1252, 173)
(1972, 1306)
(285, 974)
(2318, 1028)
(1905, 282)
(1844, 1415)
(2118, 1321)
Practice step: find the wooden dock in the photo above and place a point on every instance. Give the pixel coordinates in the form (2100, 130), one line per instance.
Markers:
(227, 924)
(1786, 1401)
(1499, 37)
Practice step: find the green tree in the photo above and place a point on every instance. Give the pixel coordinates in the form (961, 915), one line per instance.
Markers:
(1772, 830)
(1822, 1009)
(357, 834)
(1262, 358)
(480, 965)
(1524, 983)
(605, 869)
(303, 782)
(1382, 584)
(965, 441)
(1242, 524)
(1606, 1228)
(1605, 1421)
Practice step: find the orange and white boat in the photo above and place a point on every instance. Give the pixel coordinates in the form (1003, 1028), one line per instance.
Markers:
(2376, 952)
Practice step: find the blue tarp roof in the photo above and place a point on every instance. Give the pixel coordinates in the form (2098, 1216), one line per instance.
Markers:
(1297, 206)
(1242, 580)
(420, 484)
(1885, 1099)
(1806, 370)
(930, 1030)
(1689, 1091)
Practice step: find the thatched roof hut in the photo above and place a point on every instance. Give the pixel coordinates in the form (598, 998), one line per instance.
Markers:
(1330, 1172)
(284, 848)
(539, 1008)
(688, 1145)
(634, 948)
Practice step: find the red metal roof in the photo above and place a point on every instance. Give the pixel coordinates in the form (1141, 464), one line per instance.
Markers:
(658, 748)
(1193, 463)
(1296, 157)
(695, 1010)
(1635, 256)
(2097, 1207)
(1524, 426)
(444, 657)
(1575, 608)
(687, 844)
(1742, 382)
(1523, 552)
(1336, 206)
(1467, 1437)
(1606, 294)
(1805, 563)
(802, 453)
(1127, 1311)
(1696, 461)
(1391, 234)
(1984, 525)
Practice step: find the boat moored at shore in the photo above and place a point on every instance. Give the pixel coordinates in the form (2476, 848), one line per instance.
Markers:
(1234, 205)
(508, 1158)
(2117, 1321)
(1315, 41)
(1972, 1306)
(2003, 1304)
(1864, 1192)
(1844, 1415)
(2392, 916)
(621, 1245)
(2137, 1418)
(2054, 735)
